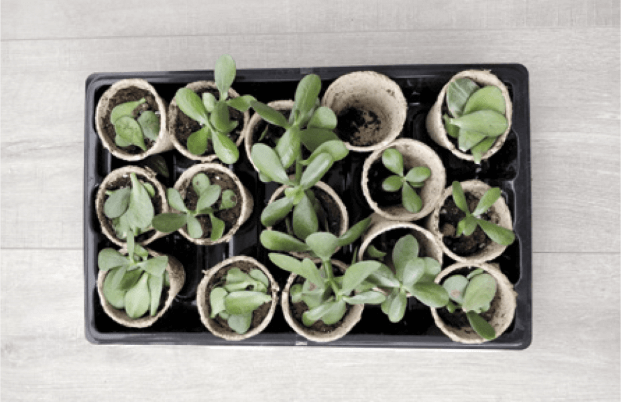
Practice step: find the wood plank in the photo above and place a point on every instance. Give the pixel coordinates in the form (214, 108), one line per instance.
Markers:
(56, 19)
(574, 355)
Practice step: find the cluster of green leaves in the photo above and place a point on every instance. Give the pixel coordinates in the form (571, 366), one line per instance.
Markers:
(477, 116)
(325, 294)
(132, 130)
(468, 225)
(134, 282)
(208, 195)
(130, 208)
(406, 182)
(473, 294)
(240, 295)
(308, 124)
(412, 275)
(213, 114)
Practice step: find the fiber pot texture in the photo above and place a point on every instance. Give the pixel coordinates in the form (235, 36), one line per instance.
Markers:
(504, 306)
(104, 108)
(351, 318)
(376, 95)
(379, 226)
(415, 154)
(253, 125)
(173, 115)
(247, 202)
(202, 300)
(435, 124)
(177, 279)
(500, 215)
(144, 175)
(344, 222)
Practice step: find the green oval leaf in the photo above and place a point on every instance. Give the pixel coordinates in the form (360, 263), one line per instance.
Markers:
(270, 115)
(129, 130)
(392, 183)
(405, 250)
(487, 122)
(486, 98)
(276, 211)
(155, 284)
(137, 299)
(323, 244)
(413, 272)
(240, 323)
(197, 141)
(369, 297)
(209, 101)
(191, 105)
(117, 203)
(208, 197)
(195, 229)
(224, 74)
(459, 197)
(229, 199)
(431, 294)
(335, 148)
(245, 301)
(268, 163)
(497, 233)
(393, 160)
(312, 138)
(451, 130)
(241, 103)
(304, 218)
(155, 266)
(125, 109)
(225, 148)
(220, 117)
(150, 124)
(396, 309)
(481, 148)
(169, 222)
(356, 273)
(175, 200)
(480, 326)
(109, 258)
(140, 211)
(418, 175)
(468, 139)
(411, 200)
(315, 171)
(486, 202)
(277, 241)
(200, 183)
(307, 92)
(457, 95)
(354, 232)
(456, 286)
(217, 227)
(216, 301)
(323, 117)
(479, 293)
(288, 147)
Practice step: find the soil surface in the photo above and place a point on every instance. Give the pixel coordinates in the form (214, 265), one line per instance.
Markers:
(450, 216)
(218, 280)
(229, 216)
(123, 96)
(359, 127)
(377, 174)
(386, 242)
(185, 126)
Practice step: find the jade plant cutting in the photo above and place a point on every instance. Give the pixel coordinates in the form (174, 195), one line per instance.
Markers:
(473, 294)
(406, 182)
(208, 195)
(476, 116)
(132, 125)
(238, 297)
(130, 208)
(135, 281)
(213, 114)
(412, 275)
(468, 225)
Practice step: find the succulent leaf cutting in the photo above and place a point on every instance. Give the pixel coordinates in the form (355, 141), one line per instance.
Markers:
(407, 182)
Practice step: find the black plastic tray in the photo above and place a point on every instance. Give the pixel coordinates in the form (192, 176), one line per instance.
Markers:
(508, 169)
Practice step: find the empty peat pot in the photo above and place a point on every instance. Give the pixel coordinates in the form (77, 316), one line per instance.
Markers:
(370, 108)
(435, 123)
(176, 276)
(256, 128)
(216, 276)
(499, 316)
(233, 217)
(477, 247)
(130, 90)
(318, 332)
(389, 205)
(181, 126)
(120, 178)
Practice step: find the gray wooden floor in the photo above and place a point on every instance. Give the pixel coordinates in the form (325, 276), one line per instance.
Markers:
(571, 49)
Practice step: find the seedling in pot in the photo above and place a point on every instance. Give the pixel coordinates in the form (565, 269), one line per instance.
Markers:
(135, 281)
(213, 114)
(473, 294)
(130, 208)
(406, 182)
(299, 197)
(308, 124)
(132, 125)
(477, 116)
(412, 275)
(468, 225)
(208, 195)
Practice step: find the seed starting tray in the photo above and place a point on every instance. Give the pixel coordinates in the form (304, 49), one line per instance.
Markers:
(508, 169)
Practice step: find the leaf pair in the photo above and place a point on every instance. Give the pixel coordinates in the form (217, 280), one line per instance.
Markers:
(208, 195)
(468, 225)
(130, 208)
(415, 178)
(130, 130)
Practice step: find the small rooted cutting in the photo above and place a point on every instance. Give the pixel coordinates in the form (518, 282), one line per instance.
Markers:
(132, 126)
(406, 182)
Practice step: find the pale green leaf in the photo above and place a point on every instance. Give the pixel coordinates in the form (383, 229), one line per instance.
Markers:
(150, 124)
(125, 109)
(137, 299)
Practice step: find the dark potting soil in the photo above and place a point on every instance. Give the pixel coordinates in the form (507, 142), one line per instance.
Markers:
(450, 216)
(219, 279)
(359, 127)
(185, 126)
(123, 182)
(386, 242)
(129, 95)
(458, 319)
(377, 174)
(229, 216)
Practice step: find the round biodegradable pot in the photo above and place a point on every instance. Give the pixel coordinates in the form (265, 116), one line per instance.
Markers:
(370, 108)
(130, 90)
(428, 245)
(261, 317)
(233, 217)
(327, 333)
(181, 126)
(326, 194)
(500, 314)
(499, 214)
(257, 124)
(435, 124)
(415, 154)
(120, 178)
(177, 278)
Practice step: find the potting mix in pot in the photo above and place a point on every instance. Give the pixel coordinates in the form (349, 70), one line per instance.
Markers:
(263, 238)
